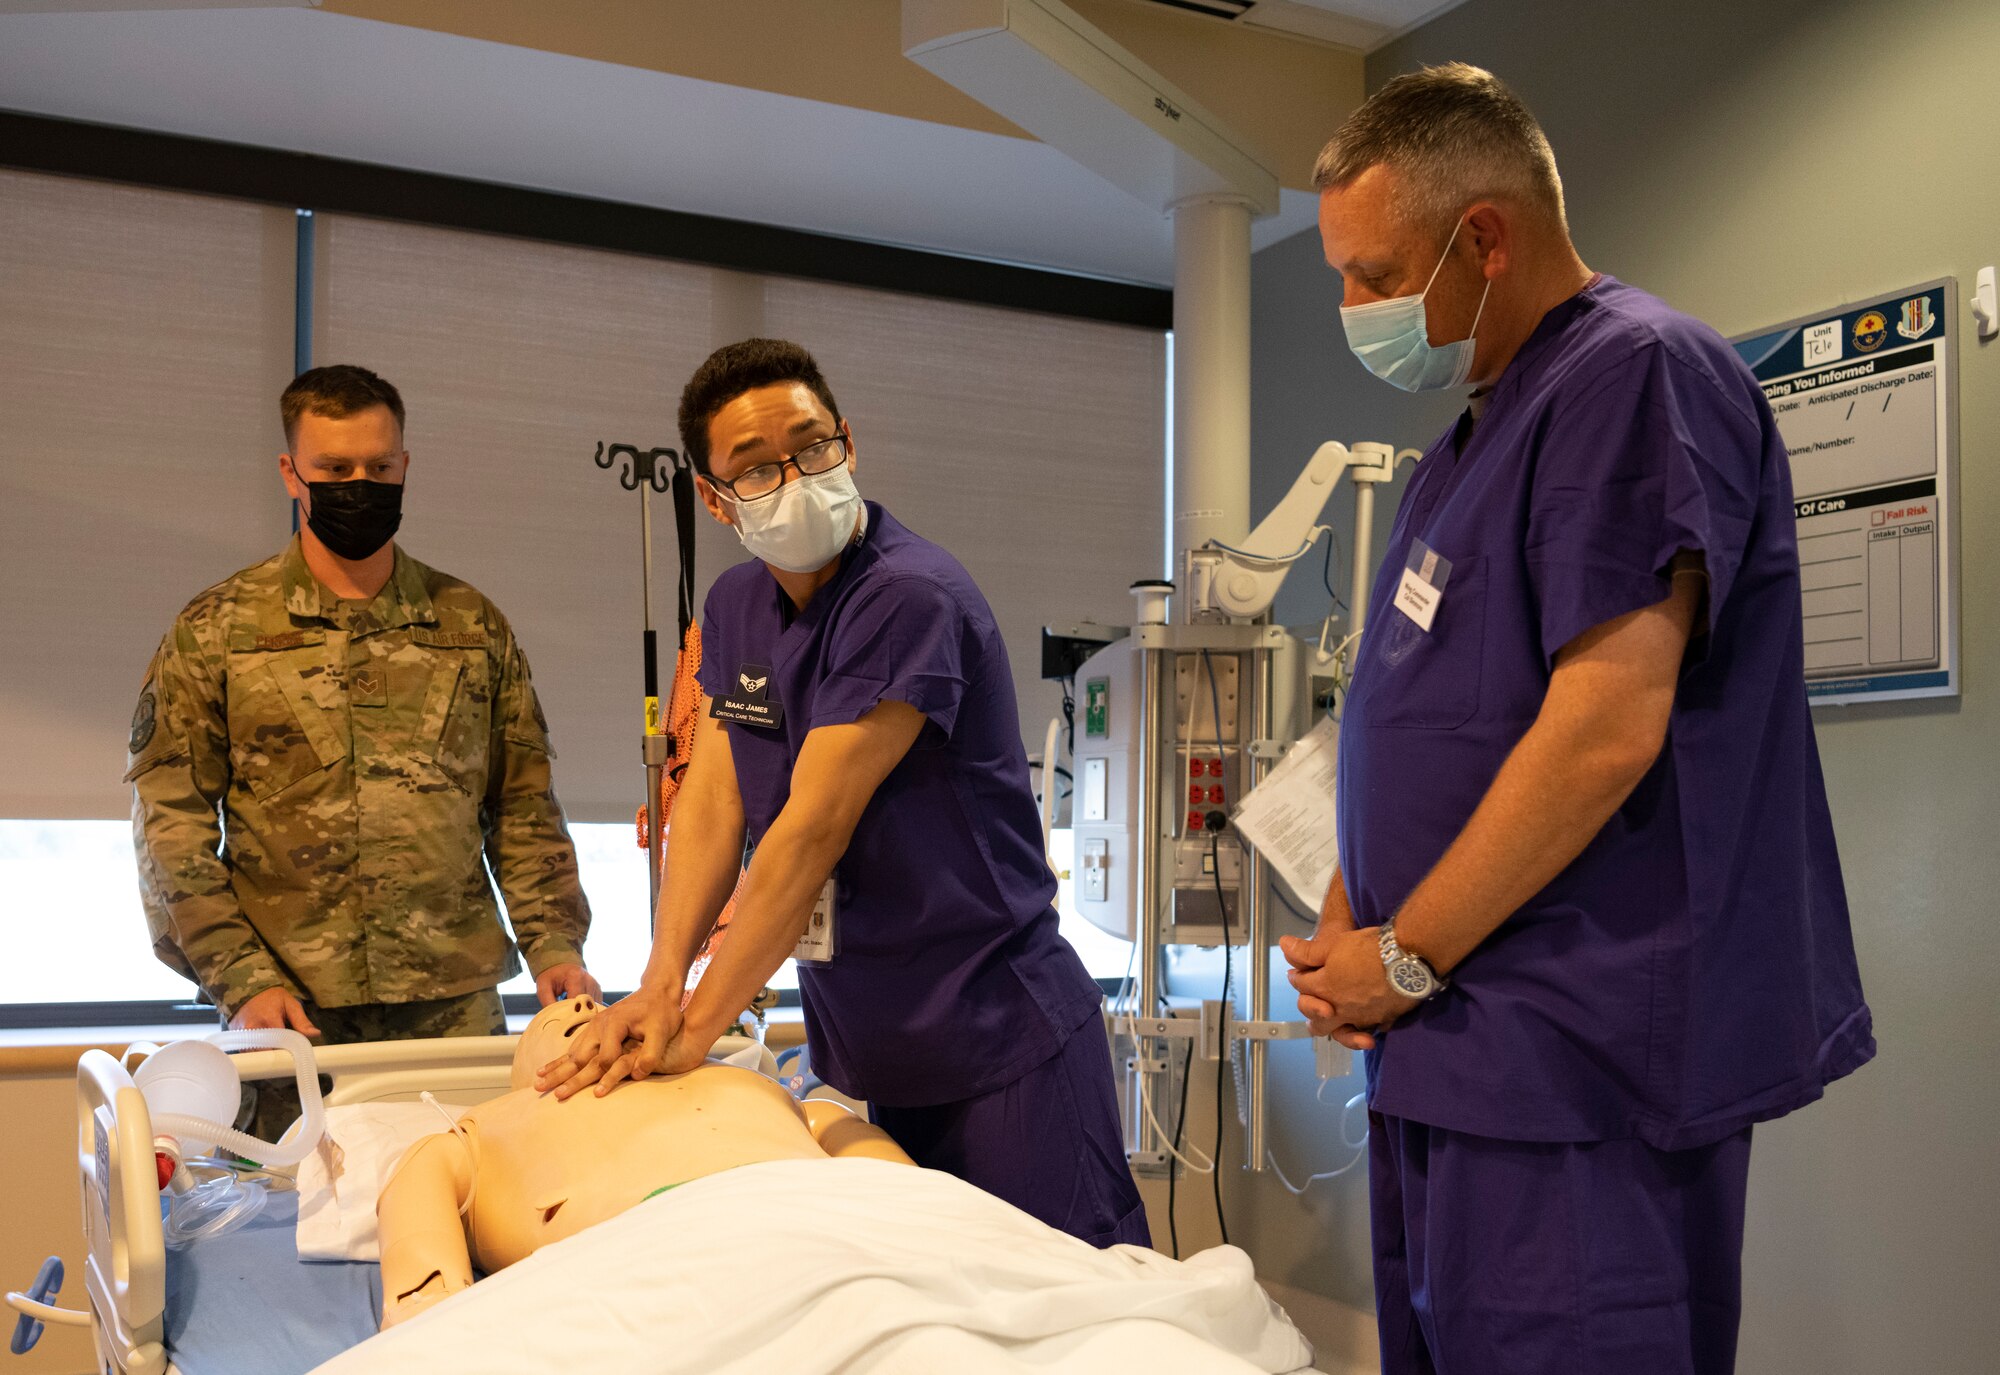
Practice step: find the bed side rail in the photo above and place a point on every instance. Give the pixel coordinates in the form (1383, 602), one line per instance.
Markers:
(124, 1264)
(457, 1069)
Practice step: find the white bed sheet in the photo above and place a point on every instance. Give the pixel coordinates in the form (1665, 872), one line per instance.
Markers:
(340, 1182)
(853, 1266)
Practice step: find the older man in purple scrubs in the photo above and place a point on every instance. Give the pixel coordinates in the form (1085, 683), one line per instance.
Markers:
(1590, 925)
(860, 730)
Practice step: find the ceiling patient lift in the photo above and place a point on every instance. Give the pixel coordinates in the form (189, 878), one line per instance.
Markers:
(1180, 718)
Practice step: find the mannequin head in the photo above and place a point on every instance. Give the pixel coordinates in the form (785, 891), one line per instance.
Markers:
(547, 1036)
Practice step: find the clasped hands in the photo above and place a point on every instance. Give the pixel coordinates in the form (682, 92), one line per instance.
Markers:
(639, 1035)
(1343, 989)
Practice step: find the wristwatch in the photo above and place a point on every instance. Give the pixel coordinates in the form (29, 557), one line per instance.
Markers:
(1410, 975)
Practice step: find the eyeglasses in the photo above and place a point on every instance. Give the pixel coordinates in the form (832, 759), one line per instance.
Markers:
(766, 478)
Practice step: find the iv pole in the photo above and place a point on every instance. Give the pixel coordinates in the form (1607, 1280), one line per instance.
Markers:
(645, 474)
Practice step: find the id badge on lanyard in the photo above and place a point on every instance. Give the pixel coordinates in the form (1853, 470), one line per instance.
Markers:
(819, 944)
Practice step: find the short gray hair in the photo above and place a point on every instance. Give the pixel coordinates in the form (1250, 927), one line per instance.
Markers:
(1455, 135)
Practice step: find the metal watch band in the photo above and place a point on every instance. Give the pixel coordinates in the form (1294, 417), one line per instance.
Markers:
(1393, 953)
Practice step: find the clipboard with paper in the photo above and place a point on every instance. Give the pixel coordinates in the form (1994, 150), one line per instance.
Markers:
(1289, 816)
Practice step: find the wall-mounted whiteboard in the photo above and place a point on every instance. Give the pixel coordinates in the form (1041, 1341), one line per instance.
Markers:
(1865, 399)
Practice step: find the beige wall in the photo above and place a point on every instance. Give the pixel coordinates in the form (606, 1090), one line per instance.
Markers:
(1277, 92)
(44, 1214)
(1751, 164)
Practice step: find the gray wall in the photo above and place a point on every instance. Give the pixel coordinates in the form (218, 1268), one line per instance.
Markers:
(1749, 163)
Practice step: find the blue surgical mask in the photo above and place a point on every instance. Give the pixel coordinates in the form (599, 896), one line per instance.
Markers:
(1392, 338)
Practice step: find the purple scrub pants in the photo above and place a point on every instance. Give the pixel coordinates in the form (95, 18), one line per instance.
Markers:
(1049, 1143)
(1530, 1258)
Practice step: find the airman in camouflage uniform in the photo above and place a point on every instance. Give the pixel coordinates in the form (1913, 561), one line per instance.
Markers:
(365, 761)
(320, 786)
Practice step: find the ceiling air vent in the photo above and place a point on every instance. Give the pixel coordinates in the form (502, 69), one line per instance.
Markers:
(1219, 9)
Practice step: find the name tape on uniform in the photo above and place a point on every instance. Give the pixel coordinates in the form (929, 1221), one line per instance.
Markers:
(751, 704)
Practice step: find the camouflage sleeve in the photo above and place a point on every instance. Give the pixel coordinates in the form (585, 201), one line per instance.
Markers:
(178, 765)
(527, 840)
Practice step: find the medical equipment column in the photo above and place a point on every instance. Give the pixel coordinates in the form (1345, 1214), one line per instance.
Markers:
(1364, 538)
(1372, 463)
(1257, 907)
(1146, 894)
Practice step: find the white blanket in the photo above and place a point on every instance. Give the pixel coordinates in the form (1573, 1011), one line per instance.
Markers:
(853, 1266)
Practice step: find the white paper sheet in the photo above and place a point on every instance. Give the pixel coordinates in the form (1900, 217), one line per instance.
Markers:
(1289, 816)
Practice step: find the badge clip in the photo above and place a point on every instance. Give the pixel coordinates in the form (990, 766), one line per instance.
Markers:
(1421, 590)
(817, 945)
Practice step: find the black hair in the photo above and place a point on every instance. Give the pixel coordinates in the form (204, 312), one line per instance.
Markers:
(737, 368)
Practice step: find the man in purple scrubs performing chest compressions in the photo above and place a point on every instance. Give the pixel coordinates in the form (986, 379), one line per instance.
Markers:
(859, 729)
(1589, 925)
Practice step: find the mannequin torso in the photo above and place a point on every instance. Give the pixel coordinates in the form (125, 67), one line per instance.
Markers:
(536, 1169)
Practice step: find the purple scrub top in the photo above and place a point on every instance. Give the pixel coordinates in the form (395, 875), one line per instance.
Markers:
(950, 979)
(1692, 971)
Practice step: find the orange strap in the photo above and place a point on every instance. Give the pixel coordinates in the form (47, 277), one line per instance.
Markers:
(682, 716)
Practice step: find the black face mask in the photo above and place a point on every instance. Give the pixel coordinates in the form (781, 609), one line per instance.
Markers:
(355, 518)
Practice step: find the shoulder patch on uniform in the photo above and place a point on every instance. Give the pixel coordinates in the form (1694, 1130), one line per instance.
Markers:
(145, 720)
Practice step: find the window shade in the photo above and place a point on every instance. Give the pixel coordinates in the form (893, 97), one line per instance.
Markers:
(1030, 446)
(514, 359)
(144, 338)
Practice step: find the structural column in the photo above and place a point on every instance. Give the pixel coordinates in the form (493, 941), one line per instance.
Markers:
(1211, 461)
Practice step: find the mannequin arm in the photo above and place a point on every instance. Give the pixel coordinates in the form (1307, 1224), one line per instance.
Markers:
(841, 1133)
(425, 1259)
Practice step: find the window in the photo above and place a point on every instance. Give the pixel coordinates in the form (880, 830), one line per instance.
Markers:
(614, 875)
(71, 887)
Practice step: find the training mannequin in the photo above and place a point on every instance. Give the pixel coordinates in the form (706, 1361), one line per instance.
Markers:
(537, 1169)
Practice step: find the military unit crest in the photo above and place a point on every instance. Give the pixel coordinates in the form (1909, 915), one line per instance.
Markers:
(144, 722)
(1915, 318)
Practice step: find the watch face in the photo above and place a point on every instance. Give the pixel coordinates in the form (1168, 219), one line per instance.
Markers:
(1410, 979)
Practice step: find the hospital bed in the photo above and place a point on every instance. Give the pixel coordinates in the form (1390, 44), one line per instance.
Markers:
(243, 1301)
(227, 1304)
